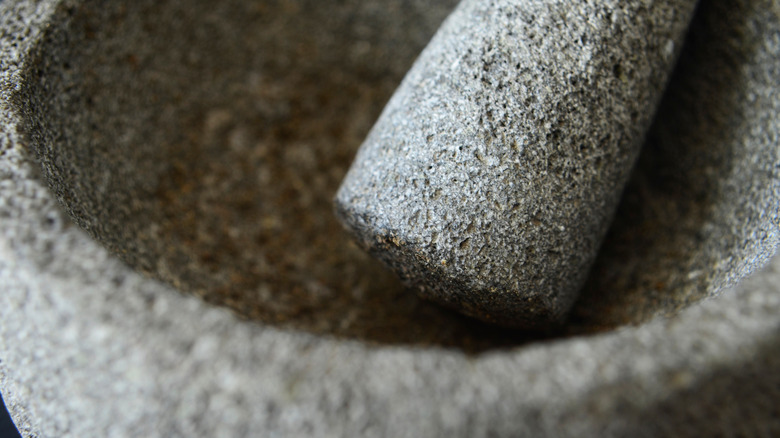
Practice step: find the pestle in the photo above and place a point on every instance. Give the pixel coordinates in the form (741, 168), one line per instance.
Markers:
(490, 179)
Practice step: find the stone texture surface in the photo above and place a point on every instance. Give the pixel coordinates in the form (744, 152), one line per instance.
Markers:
(701, 209)
(90, 347)
(493, 174)
(208, 151)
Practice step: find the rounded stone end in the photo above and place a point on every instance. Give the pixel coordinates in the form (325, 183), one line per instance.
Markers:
(433, 276)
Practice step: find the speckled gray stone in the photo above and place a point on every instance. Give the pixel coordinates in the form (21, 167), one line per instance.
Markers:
(493, 174)
(89, 347)
(701, 209)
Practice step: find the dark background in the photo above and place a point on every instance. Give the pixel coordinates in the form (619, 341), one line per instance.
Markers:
(7, 428)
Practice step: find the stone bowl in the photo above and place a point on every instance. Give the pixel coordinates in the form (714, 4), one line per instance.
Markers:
(169, 263)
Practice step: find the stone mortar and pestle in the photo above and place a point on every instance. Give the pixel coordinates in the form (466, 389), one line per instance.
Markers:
(577, 201)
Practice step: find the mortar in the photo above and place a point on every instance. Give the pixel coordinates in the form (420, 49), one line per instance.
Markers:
(208, 290)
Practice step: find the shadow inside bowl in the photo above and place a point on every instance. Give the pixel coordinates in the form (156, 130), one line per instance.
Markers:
(202, 142)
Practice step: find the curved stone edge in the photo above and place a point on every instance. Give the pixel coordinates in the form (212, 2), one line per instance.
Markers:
(467, 295)
(88, 346)
(21, 24)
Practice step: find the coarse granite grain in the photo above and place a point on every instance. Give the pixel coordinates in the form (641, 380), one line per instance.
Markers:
(701, 210)
(90, 347)
(208, 151)
(493, 174)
